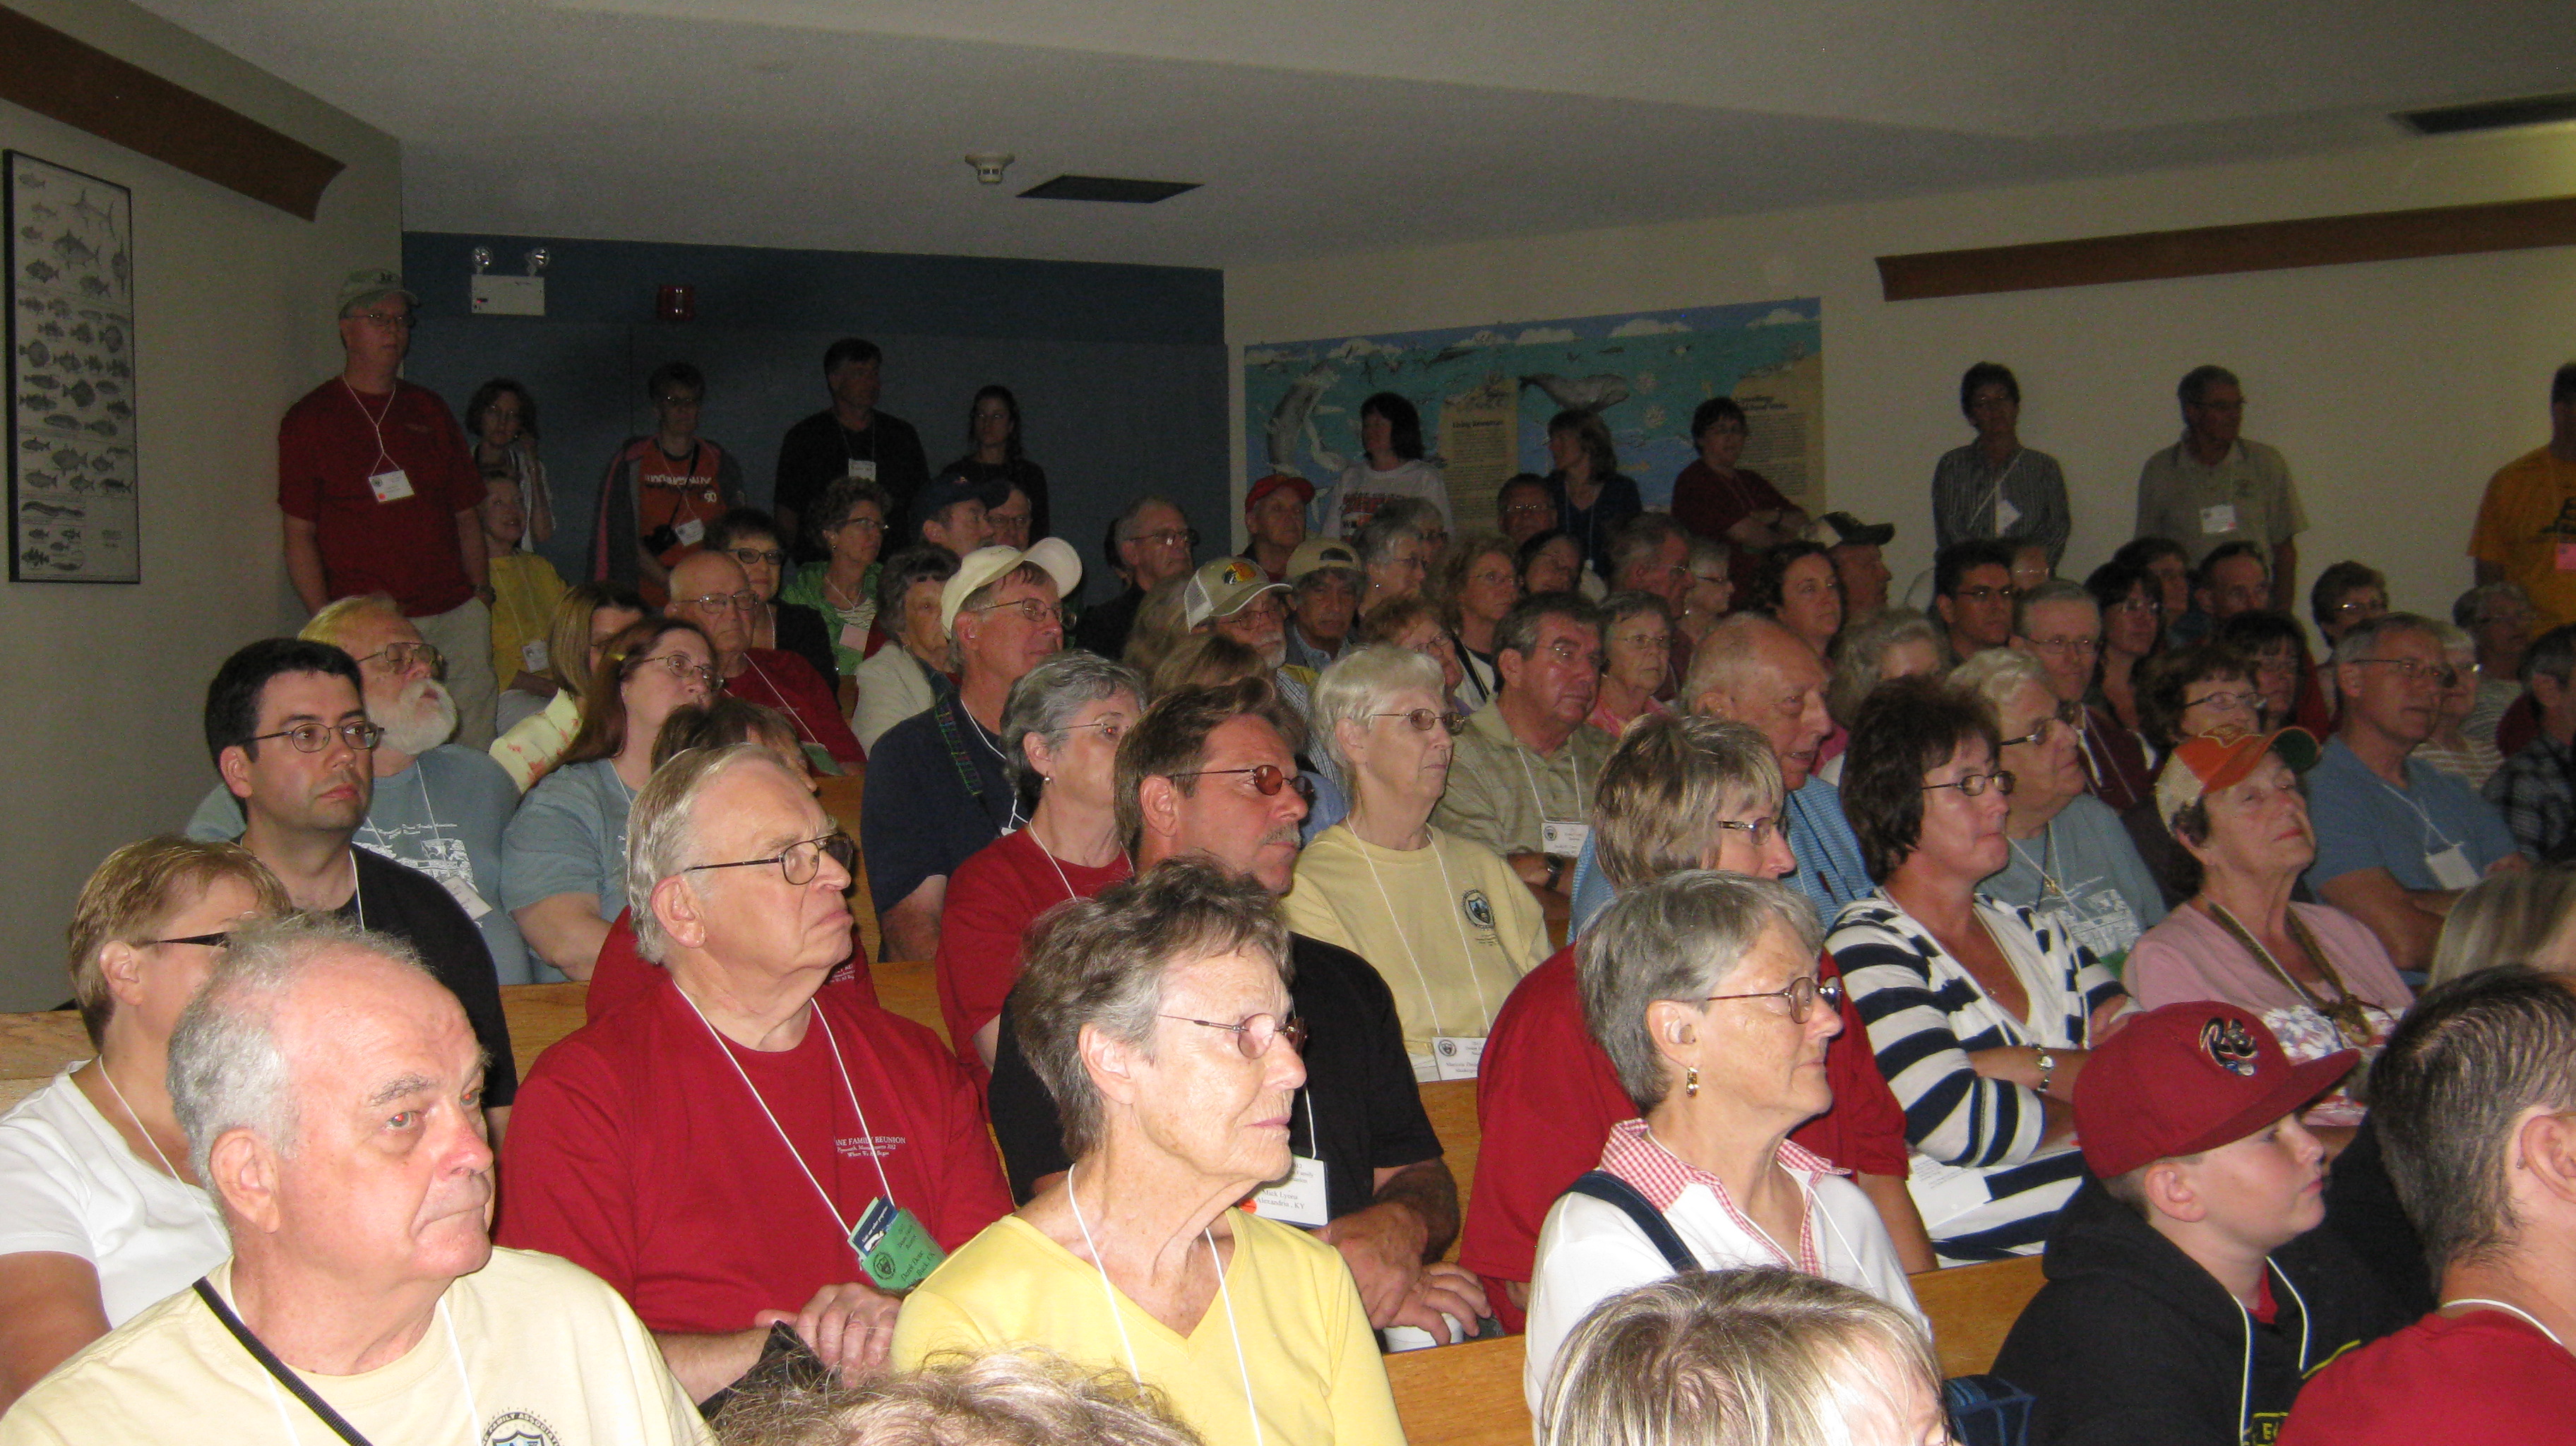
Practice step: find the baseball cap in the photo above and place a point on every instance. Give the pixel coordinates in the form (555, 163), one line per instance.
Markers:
(1317, 553)
(1222, 588)
(1276, 481)
(1838, 529)
(1052, 554)
(2212, 761)
(952, 487)
(2187, 1078)
(361, 287)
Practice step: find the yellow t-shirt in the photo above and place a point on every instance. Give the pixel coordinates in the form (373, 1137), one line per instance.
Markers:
(549, 1351)
(2528, 513)
(1316, 1377)
(525, 589)
(1450, 927)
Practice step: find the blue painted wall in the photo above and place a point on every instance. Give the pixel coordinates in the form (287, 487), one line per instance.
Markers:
(1120, 370)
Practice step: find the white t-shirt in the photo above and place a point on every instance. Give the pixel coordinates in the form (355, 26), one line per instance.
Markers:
(69, 1186)
(549, 1354)
(1362, 489)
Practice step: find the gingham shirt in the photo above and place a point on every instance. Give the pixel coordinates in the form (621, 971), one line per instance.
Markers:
(1661, 1176)
(2534, 792)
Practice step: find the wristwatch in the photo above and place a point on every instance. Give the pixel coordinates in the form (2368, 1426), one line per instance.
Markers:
(2047, 1067)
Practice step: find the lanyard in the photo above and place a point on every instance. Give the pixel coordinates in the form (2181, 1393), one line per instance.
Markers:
(375, 420)
(781, 695)
(1573, 765)
(2511, 1309)
(2048, 883)
(1118, 1318)
(2431, 828)
(282, 1374)
(966, 773)
(849, 1228)
(1448, 892)
(2344, 1011)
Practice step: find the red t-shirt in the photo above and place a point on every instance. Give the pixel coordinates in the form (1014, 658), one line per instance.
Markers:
(637, 1152)
(331, 442)
(621, 972)
(789, 684)
(992, 899)
(2485, 1377)
(1708, 505)
(1546, 1097)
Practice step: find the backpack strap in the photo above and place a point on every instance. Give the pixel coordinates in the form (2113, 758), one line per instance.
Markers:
(1603, 1186)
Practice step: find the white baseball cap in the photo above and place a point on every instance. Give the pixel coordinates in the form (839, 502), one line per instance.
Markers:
(1053, 555)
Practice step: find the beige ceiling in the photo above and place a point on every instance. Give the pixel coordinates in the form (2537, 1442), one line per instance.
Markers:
(1329, 126)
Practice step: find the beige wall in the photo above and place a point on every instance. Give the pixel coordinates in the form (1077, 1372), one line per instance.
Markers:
(2395, 388)
(103, 684)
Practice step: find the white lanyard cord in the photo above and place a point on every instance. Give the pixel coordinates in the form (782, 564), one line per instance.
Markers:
(473, 1412)
(375, 421)
(1573, 765)
(868, 1135)
(2511, 1309)
(205, 1197)
(1449, 892)
(781, 695)
(427, 811)
(2431, 829)
(1118, 1318)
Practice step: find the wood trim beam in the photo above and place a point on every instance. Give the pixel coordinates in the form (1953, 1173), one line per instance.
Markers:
(2221, 250)
(77, 83)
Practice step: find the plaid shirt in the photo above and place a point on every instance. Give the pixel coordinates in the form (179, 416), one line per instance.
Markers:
(2534, 792)
(1661, 1176)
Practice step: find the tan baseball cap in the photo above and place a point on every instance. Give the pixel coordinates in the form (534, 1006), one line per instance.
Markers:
(1222, 588)
(1317, 553)
(361, 287)
(1053, 555)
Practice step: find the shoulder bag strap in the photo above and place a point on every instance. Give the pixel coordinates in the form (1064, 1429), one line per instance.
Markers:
(1603, 1186)
(284, 1373)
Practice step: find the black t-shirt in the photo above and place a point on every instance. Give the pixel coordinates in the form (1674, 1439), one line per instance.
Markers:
(1022, 473)
(819, 449)
(399, 900)
(1104, 629)
(802, 631)
(1358, 1079)
(918, 818)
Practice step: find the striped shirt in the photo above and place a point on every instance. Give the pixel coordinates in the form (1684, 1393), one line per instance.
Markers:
(1985, 1185)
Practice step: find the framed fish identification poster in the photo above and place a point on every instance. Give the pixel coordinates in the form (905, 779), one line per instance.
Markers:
(73, 508)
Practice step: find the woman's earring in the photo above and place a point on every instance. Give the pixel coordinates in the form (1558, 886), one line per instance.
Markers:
(1690, 1081)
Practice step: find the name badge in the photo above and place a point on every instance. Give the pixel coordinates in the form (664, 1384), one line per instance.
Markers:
(854, 637)
(1297, 1200)
(893, 1247)
(1563, 838)
(1455, 1056)
(2005, 516)
(2218, 518)
(2567, 557)
(2451, 867)
(532, 655)
(864, 471)
(692, 532)
(463, 892)
(391, 485)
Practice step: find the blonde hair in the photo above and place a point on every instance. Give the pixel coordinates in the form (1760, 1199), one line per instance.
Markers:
(1762, 1357)
(135, 890)
(328, 625)
(1205, 660)
(1672, 775)
(1159, 627)
(2516, 918)
(1007, 1397)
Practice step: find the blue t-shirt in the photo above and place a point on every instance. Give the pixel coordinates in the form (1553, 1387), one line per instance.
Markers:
(569, 837)
(1829, 871)
(2362, 823)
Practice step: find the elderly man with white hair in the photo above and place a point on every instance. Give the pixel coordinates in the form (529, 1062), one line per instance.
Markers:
(439, 806)
(729, 1148)
(939, 787)
(331, 1091)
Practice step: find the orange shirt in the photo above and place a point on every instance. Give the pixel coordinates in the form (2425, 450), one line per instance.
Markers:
(678, 493)
(2527, 527)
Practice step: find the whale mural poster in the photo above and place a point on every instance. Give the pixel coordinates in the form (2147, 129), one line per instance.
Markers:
(69, 255)
(1486, 393)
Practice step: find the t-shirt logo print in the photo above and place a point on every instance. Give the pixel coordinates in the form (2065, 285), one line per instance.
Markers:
(518, 1428)
(2229, 1046)
(1478, 908)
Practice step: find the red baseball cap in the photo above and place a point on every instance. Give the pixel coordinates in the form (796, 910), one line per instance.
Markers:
(1265, 486)
(2188, 1078)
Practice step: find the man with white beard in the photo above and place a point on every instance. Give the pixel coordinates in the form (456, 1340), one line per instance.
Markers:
(1235, 597)
(439, 807)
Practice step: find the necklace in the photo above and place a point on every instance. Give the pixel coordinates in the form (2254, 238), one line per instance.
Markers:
(109, 1077)
(2344, 1011)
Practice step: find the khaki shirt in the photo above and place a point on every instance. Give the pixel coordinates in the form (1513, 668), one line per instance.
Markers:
(2183, 500)
(1501, 790)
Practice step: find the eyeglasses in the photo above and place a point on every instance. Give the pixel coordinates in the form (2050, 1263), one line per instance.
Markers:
(1254, 1034)
(398, 656)
(754, 556)
(1801, 992)
(1988, 594)
(2070, 715)
(2067, 645)
(1036, 610)
(389, 320)
(314, 737)
(2371, 605)
(219, 939)
(680, 666)
(1168, 537)
(864, 524)
(716, 602)
(1267, 779)
(1423, 720)
(2139, 605)
(1974, 784)
(2227, 700)
(1757, 831)
(1111, 729)
(1568, 651)
(2411, 669)
(1528, 509)
(801, 860)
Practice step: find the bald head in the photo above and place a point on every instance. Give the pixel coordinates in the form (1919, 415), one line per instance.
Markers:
(1750, 669)
(711, 590)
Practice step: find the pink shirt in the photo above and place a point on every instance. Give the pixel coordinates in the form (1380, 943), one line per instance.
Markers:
(2189, 957)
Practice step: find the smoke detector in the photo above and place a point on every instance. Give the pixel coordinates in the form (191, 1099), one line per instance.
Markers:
(989, 165)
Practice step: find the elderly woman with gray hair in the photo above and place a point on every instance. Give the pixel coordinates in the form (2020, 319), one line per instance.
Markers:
(1899, 643)
(1158, 1017)
(1060, 733)
(1443, 918)
(1702, 988)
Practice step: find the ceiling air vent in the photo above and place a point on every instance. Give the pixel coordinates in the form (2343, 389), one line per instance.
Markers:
(2493, 115)
(1107, 188)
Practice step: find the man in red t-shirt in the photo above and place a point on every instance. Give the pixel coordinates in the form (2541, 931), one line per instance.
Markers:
(711, 590)
(2475, 1104)
(379, 493)
(735, 1145)
(1681, 793)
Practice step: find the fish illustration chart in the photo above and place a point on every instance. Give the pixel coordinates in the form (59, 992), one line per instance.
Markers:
(72, 402)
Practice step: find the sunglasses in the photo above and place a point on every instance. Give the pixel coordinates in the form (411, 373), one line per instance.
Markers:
(1267, 780)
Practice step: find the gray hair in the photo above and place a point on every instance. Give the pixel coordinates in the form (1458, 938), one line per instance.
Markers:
(662, 830)
(2362, 643)
(1860, 658)
(1752, 1357)
(1357, 684)
(2471, 608)
(1376, 541)
(1679, 938)
(1008, 1396)
(1101, 964)
(2454, 638)
(2048, 594)
(1046, 698)
(1995, 674)
(227, 1071)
